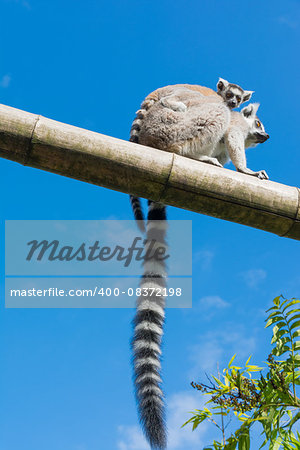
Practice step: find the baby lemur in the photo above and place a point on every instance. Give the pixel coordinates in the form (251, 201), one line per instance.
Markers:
(196, 122)
(232, 94)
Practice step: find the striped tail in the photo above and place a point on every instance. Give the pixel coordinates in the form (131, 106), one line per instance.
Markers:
(138, 212)
(148, 330)
(134, 137)
(135, 201)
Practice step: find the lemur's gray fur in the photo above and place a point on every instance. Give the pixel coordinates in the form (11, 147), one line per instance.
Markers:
(207, 130)
(196, 122)
(231, 94)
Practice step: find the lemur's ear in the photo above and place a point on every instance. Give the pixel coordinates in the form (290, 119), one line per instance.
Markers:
(222, 84)
(250, 110)
(247, 95)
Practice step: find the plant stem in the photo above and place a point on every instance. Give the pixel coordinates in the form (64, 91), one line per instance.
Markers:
(293, 356)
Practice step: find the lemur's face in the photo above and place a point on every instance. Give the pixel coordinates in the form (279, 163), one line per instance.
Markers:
(256, 134)
(232, 94)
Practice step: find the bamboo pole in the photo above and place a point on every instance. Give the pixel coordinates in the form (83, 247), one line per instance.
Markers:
(66, 150)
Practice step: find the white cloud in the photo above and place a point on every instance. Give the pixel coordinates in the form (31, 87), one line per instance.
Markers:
(23, 3)
(212, 302)
(178, 407)
(290, 16)
(208, 307)
(112, 232)
(204, 258)
(253, 277)
(204, 357)
(217, 347)
(289, 21)
(132, 438)
(5, 81)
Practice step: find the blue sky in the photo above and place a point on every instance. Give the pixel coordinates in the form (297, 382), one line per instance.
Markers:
(65, 378)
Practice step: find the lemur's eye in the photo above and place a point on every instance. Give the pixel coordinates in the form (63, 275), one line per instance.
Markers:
(229, 95)
(257, 123)
(238, 98)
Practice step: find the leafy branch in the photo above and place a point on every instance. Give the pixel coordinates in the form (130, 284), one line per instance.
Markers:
(270, 399)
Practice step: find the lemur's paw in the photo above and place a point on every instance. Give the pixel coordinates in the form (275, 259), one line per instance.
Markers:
(214, 162)
(262, 175)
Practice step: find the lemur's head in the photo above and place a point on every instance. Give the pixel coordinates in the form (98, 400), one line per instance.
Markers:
(232, 94)
(256, 131)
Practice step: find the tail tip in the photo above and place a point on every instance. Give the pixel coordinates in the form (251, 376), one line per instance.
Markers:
(158, 439)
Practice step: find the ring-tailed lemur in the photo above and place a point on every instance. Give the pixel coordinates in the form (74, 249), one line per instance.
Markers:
(194, 122)
(229, 93)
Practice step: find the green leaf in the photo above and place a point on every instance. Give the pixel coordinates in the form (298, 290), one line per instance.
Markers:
(295, 325)
(248, 360)
(195, 424)
(274, 313)
(264, 443)
(231, 445)
(218, 381)
(294, 420)
(296, 334)
(296, 346)
(296, 316)
(284, 300)
(275, 319)
(278, 351)
(278, 334)
(293, 302)
(188, 421)
(255, 368)
(244, 440)
(292, 311)
(283, 340)
(232, 359)
(276, 300)
(276, 444)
